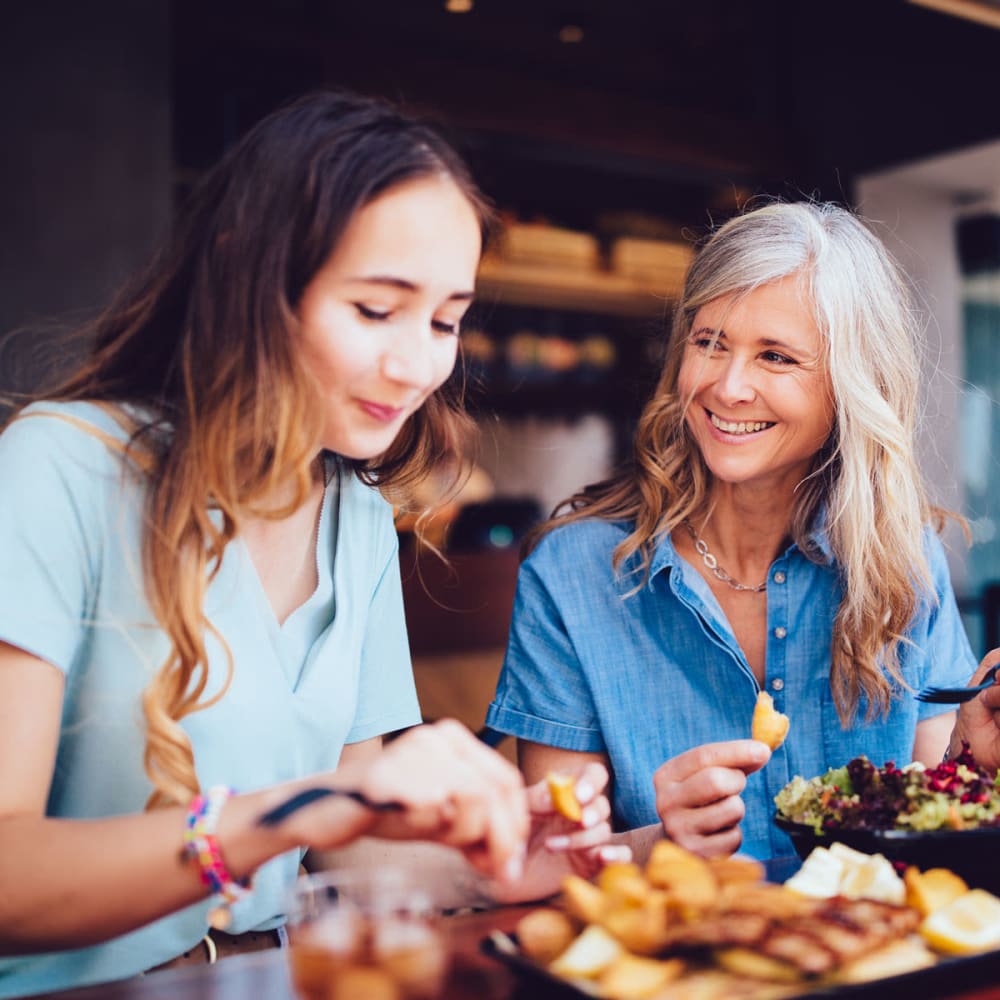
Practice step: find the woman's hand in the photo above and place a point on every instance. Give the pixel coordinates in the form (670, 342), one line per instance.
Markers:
(698, 794)
(454, 791)
(979, 720)
(557, 846)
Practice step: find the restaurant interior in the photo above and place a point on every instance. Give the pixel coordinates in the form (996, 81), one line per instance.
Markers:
(610, 136)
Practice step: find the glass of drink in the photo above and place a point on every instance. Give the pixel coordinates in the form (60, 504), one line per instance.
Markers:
(371, 934)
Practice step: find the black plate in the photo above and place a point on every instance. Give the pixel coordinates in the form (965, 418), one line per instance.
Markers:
(948, 977)
(972, 854)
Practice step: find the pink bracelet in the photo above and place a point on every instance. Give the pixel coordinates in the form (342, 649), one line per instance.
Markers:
(201, 846)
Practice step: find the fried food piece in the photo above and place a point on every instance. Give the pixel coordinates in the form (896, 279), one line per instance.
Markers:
(589, 955)
(543, 934)
(583, 899)
(768, 725)
(895, 958)
(931, 890)
(687, 876)
(736, 868)
(633, 978)
(744, 962)
(641, 929)
(623, 881)
(562, 788)
(765, 898)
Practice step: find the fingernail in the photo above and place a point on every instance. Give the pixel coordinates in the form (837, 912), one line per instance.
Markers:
(557, 843)
(611, 854)
(589, 817)
(585, 791)
(513, 869)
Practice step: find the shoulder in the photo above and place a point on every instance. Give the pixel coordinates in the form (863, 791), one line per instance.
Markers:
(585, 545)
(368, 513)
(78, 436)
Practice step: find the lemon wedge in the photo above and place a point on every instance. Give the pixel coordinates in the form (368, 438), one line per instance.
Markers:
(968, 924)
(562, 788)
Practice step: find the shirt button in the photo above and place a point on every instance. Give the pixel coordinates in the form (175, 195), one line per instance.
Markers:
(779, 577)
(777, 684)
(780, 632)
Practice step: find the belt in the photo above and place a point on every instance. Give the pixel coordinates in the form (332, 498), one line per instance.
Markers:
(218, 944)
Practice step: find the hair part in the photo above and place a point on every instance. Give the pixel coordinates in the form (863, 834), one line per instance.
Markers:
(865, 483)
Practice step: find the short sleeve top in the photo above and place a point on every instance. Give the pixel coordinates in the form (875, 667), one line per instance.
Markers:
(644, 677)
(336, 671)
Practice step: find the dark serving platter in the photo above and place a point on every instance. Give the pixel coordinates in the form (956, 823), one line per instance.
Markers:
(948, 977)
(972, 854)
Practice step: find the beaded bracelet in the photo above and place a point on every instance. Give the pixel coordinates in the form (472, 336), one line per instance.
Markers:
(201, 846)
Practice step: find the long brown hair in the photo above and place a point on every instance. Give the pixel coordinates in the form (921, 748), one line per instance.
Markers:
(865, 478)
(201, 347)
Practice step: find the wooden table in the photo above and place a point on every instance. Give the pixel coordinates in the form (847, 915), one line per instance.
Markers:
(264, 975)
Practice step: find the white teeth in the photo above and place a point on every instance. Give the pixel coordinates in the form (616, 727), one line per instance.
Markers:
(743, 427)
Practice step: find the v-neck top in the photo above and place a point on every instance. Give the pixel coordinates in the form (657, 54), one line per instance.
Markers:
(71, 593)
(645, 676)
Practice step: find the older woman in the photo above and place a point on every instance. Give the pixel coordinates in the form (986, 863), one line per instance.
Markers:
(772, 533)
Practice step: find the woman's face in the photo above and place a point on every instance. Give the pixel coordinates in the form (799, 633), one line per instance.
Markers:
(761, 403)
(379, 321)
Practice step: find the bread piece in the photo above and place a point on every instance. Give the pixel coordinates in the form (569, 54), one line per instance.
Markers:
(768, 725)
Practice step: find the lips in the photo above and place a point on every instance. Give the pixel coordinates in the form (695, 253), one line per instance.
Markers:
(379, 412)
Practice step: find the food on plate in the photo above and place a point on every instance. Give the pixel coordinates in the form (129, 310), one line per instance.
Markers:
(929, 891)
(589, 954)
(955, 795)
(632, 978)
(842, 871)
(906, 955)
(768, 724)
(562, 788)
(543, 934)
(968, 924)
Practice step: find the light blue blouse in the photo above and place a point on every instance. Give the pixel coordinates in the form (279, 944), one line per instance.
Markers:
(645, 677)
(337, 671)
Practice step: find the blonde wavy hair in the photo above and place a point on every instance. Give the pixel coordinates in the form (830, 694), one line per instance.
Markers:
(200, 350)
(865, 481)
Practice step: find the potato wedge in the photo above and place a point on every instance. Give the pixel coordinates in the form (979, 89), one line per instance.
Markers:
(562, 788)
(632, 978)
(544, 934)
(589, 955)
(583, 900)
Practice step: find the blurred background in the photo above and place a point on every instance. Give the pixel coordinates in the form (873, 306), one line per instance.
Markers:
(610, 134)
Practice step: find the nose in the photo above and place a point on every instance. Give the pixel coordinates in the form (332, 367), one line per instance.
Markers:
(735, 383)
(409, 359)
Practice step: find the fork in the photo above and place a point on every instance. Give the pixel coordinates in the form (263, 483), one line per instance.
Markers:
(955, 696)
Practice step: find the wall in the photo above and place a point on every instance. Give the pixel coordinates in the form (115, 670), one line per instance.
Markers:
(85, 185)
(915, 208)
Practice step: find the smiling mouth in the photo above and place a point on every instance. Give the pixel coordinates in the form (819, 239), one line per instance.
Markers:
(739, 427)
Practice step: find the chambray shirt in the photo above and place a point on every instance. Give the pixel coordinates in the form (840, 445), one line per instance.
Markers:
(642, 678)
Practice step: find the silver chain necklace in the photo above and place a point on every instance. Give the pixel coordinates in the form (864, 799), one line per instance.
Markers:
(712, 564)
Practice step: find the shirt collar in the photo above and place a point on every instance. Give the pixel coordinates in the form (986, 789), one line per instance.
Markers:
(665, 556)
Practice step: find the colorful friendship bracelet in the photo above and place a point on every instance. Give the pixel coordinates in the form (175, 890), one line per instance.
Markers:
(201, 846)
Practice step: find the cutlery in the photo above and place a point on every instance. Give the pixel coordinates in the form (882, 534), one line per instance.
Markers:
(955, 696)
(310, 795)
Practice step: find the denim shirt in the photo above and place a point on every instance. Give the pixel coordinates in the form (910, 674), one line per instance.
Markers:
(644, 677)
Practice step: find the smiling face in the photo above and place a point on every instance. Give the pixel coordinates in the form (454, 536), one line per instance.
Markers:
(379, 321)
(761, 403)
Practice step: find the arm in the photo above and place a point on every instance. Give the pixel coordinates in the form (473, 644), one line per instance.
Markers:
(932, 737)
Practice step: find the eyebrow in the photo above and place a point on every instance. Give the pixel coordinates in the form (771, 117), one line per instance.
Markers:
(764, 341)
(390, 281)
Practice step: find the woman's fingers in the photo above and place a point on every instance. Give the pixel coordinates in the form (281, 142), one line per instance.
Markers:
(743, 755)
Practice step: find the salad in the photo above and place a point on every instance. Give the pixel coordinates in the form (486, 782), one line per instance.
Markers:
(956, 795)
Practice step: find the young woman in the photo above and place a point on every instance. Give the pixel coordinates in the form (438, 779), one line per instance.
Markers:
(772, 534)
(199, 584)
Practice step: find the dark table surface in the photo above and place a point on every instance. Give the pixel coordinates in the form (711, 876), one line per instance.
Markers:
(474, 976)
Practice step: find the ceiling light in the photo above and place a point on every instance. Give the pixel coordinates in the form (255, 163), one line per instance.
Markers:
(458, 6)
(984, 11)
(571, 34)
